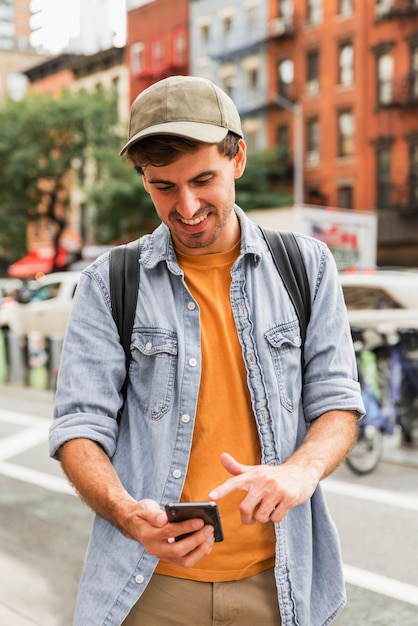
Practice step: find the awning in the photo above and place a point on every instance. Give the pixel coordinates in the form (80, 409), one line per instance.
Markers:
(37, 261)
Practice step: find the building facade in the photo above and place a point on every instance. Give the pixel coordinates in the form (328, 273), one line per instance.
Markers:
(157, 42)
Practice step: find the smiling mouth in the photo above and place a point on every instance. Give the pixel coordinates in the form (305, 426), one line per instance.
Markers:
(195, 221)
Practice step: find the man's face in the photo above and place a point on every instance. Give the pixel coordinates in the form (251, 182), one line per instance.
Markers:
(194, 197)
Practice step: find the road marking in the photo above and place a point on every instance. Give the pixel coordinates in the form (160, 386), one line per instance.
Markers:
(371, 494)
(35, 477)
(22, 419)
(381, 584)
(22, 441)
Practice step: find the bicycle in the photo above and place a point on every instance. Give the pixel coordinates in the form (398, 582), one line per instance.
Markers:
(380, 418)
(388, 375)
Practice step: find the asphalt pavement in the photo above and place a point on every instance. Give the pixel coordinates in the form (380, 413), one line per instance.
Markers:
(44, 527)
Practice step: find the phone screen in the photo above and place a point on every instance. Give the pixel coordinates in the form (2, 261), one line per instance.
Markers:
(207, 511)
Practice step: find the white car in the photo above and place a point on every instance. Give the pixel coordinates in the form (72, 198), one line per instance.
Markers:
(47, 308)
(383, 300)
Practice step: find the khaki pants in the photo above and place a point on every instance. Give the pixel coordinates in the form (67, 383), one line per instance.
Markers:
(171, 601)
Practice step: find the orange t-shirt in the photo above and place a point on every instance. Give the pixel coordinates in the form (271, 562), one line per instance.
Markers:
(224, 423)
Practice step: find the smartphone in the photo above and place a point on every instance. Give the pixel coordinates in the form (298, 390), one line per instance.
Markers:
(207, 511)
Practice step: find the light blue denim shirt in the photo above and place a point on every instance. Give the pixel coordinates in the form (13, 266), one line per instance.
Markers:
(150, 449)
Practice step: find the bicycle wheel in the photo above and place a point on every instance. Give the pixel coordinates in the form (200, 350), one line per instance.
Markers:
(367, 452)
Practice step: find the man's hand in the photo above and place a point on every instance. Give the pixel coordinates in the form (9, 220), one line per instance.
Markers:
(149, 525)
(271, 490)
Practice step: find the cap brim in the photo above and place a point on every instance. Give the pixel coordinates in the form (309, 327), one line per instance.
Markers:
(207, 133)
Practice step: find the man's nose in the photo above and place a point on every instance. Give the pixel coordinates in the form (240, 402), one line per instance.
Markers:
(188, 203)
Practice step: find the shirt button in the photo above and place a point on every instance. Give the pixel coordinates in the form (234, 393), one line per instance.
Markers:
(139, 579)
(192, 362)
(185, 418)
(148, 345)
(191, 306)
(297, 340)
(177, 473)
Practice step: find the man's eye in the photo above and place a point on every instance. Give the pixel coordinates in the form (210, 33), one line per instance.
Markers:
(164, 188)
(203, 181)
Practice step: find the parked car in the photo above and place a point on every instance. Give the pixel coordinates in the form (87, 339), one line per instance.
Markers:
(381, 299)
(46, 309)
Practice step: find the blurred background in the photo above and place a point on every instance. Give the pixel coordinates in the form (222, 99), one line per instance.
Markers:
(328, 95)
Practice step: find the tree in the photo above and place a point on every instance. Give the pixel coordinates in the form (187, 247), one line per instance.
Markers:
(47, 147)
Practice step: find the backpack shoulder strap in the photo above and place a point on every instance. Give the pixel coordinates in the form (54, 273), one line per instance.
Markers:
(124, 283)
(291, 267)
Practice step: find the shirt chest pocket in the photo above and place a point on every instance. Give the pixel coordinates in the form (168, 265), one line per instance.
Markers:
(152, 370)
(285, 344)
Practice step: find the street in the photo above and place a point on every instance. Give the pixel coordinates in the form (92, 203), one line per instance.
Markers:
(44, 527)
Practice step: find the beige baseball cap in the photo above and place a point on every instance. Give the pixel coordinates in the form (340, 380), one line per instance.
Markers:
(184, 106)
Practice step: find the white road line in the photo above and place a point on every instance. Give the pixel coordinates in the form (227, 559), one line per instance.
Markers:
(34, 477)
(22, 441)
(381, 584)
(22, 419)
(371, 494)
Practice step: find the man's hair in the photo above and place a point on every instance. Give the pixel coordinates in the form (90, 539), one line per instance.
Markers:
(160, 150)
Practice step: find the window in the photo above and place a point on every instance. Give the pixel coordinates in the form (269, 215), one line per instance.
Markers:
(286, 11)
(204, 38)
(157, 52)
(368, 297)
(414, 73)
(345, 7)
(314, 12)
(383, 157)
(345, 197)
(346, 64)
(312, 72)
(345, 133)
(227, 24)
(283, 137)
(383, 7)
(312, 141)
(180, 48)
(252, 78)
(414, 175)
(137, 58)
(285, 71)
(385, 79)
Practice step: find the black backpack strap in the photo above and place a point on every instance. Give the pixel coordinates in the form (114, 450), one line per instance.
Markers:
(291, 267)
(124, 284)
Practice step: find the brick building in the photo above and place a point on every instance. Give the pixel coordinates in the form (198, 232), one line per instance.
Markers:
(157, 42)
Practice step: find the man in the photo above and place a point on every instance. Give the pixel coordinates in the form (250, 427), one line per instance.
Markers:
(217, 404)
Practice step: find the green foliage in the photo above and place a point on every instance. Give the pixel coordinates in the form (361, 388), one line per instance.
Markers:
(266, 182)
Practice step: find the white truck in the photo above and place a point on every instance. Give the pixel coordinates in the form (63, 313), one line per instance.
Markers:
(350, 235)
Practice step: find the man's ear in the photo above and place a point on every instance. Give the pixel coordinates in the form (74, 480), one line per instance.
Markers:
(240, 159)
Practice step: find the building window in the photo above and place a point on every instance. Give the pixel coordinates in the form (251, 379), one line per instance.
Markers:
(282, 137)
(227, 24)
(253, 78)
(286, 11)
(383, 158)
(385, 66)
(285, 77)
(204, 38)
(345, 133)
(414, 73)
(157, 52)
(314, 12)
(137, 58)
(346, 64)
(345, 7)
(345, 197)
(180, 49)
(383, 7)
(413, 176)
(312, 141)
(312, 72)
